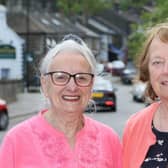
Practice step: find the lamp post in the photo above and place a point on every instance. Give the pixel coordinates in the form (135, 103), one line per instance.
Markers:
(27, 43)
(27, 24)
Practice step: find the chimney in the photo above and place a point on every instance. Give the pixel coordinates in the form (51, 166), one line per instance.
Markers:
(3, 22)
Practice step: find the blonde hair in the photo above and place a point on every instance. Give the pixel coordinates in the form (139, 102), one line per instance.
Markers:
(161, 31)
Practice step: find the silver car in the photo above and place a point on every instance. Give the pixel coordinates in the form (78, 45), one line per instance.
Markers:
(138, 91)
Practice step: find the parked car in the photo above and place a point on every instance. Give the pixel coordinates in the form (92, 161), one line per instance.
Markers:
(103, 95)
(128, 75)
(4, 118)
(115, 67)
(138, 91)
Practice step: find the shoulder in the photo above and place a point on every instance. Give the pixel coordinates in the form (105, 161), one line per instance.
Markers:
(143, 118)
(21, 130)
(145, 113)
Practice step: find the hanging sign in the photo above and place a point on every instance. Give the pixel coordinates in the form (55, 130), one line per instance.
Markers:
(7, 52)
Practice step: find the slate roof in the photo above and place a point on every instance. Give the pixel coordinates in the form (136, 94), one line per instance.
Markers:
(87, 31)
(100, 27)
(38, 23)
(119, 19)
(18, 22)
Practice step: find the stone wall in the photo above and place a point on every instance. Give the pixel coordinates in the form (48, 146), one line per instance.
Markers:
(9, 89)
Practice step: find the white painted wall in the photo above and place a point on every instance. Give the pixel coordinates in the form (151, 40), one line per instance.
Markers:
(8, 36)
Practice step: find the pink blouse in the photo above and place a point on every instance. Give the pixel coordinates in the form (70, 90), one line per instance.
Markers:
(36, 144)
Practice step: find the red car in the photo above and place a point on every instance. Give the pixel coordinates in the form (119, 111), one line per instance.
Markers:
(4, 118)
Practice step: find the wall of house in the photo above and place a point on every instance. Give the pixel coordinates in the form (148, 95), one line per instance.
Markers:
(11, 60)
(9, 89)
(10, 67)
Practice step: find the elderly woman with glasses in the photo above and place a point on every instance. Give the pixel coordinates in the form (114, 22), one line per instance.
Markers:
(61, 136)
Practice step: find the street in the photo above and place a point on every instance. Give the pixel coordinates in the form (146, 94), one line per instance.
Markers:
(125, 108)
(116, 120)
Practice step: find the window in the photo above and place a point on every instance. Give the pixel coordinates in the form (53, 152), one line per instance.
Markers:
(5, 73)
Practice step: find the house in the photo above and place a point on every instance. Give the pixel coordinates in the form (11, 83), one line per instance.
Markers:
(11, 50)
(106, 34)
(42, 31)
(91, 38)
(120, 21)
(11, 60)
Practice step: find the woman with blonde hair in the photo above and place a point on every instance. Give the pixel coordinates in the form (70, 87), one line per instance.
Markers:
(145, 139)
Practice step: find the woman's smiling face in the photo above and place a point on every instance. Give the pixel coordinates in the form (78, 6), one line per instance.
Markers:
(69, 97)
(158, 67)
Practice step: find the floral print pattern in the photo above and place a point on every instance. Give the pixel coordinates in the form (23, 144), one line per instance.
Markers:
(157, 156)
(87, 151)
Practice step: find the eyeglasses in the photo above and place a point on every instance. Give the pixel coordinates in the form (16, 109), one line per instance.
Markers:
(73, 37)
(61, 78)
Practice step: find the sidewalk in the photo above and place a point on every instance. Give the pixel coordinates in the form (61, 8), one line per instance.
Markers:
(26, 103)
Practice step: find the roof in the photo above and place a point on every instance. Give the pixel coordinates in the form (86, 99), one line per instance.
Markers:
(2, 8)
(18, 21)
(123, 19)
(109, 24)
(100, 27)
(38, 23)
(87, 31)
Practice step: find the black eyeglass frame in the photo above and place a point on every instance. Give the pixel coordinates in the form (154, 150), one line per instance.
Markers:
(70, 76)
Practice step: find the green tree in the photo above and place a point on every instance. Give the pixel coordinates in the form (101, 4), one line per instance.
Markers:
(126, 4)
(159, 14)
(137, 37)
(84, 8)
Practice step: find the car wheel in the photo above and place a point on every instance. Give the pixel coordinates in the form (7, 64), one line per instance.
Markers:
(134, 98)
(4, 120)
(114, 109)
(90, 109)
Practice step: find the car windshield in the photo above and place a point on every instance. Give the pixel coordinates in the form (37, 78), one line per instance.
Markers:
(118, 64)
(102, 84)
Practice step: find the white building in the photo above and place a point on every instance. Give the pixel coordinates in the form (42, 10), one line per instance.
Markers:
(11, 50)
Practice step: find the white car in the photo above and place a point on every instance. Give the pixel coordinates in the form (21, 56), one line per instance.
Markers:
(138, 91)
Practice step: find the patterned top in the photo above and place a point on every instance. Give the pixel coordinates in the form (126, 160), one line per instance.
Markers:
(157, 156)
(36, 144)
